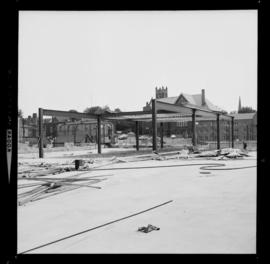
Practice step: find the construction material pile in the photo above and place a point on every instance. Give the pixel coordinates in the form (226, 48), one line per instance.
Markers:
(229, 153)
(29, 170)
(35, 183)
(42, 187)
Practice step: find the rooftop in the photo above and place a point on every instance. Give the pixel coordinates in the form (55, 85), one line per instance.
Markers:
(192, 100)
(241, 116)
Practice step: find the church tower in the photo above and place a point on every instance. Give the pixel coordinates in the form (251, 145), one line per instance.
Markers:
(161, 92)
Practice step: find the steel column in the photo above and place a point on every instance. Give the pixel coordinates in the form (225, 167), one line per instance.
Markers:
(218, 132)
(137, 134)
(99, 133)
(232, 132)
(40, 128)
(154, 124)
(161, 135)
(194, 141)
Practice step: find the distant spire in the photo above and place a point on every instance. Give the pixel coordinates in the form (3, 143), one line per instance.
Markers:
(239, 104)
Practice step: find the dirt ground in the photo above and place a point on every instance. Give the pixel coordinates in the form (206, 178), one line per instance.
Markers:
(211, 211)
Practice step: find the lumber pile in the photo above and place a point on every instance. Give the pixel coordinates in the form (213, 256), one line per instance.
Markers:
(226, 153)
(43, 187)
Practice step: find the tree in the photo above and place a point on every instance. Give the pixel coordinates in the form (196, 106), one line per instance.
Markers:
(246, 109)
(106, 108)
(117, 110)
(72, 118)
(97, 109)
(92, 110)
(233, 112)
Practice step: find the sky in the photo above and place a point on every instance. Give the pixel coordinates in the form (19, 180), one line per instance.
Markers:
(78, 59)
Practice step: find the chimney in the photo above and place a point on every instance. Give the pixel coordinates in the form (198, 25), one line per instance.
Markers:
(203, 97)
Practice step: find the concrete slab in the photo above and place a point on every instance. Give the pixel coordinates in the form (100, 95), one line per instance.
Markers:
(210, 213)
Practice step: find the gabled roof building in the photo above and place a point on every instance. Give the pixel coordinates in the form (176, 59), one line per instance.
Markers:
(198, 100)
(245, 124)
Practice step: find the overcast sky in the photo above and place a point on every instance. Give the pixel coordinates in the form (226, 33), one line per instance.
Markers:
(74, 60)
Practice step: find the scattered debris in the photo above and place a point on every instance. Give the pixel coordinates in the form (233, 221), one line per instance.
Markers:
(184, 153)
(46, 186)
(213, 153)
(224, 153)
(193, 149)
(147, 229)
(78, 163)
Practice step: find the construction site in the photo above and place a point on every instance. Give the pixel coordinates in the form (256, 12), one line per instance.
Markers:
(139, 193)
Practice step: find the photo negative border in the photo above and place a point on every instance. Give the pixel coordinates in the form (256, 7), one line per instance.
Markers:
(11, 112)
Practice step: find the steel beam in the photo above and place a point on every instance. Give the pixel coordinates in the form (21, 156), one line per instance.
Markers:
(49, 112)
(106, 115)
(40, 126)
(172, 108)
(186, 109)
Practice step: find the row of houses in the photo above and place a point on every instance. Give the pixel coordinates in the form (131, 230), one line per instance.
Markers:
(245, 128)
(64, 130)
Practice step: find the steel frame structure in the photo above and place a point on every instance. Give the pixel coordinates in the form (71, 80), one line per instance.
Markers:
(160, 112)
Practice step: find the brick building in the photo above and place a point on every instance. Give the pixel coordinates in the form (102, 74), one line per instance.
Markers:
(80, 131)
(28, 129)
(63, 130)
